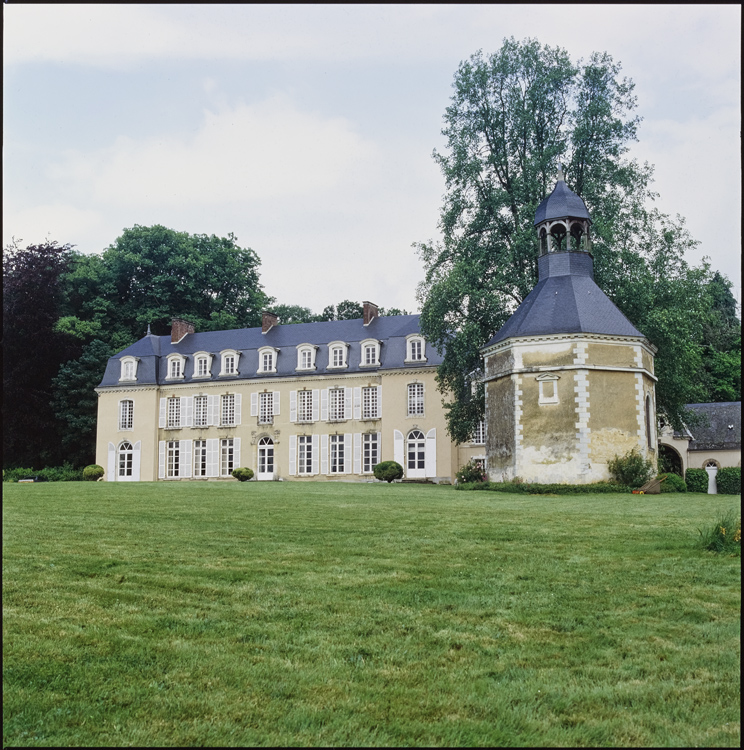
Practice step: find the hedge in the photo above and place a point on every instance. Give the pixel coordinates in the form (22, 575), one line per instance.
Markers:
(525, 488)
(697, 480)
(728, 481)
(65, 473)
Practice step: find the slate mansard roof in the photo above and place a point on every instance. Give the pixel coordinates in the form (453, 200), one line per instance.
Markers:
(566, 300)
(152, 351)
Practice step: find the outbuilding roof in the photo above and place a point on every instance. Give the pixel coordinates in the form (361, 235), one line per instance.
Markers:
(719, 428)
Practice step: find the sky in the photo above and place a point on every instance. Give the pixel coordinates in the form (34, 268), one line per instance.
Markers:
(308, 130)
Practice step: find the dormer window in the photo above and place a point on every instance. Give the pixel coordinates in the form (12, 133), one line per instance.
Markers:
(267, 356)
(202, 365)
(415, 349)
(306, 357)
(128, 368)
(229, 362)
(370, 353)
(337, 354)
(176, 367)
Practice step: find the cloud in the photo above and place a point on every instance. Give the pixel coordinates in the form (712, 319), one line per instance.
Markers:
(57, 221)
(242, 154)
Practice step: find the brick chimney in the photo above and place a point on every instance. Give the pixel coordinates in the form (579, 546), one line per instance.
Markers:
(370, 312)
(268, 321)
(179, 328)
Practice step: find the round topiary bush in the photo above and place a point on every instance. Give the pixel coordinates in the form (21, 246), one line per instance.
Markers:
(388, 471)
(672, 483)
(93, 472)
(243, 475)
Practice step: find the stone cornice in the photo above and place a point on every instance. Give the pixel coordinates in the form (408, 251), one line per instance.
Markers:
(512, 341)
(557, 368)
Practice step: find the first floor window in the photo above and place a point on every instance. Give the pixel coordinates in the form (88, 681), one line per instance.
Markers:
(228, 409)
(227, 457)
(336, 411)
(479, 436)
(265, 408)
(305, 454)
(125, 459)
(174, 412)
(200, 411)
(173, 459)
(126, 414)
(337, 454)
(200, 458)
(415, 399)
(304, 406)
(370, 452)
(370, 408)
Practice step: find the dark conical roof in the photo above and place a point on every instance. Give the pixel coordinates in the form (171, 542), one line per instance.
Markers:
(562, 202)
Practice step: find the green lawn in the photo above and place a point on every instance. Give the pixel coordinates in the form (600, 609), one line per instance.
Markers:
(317, 614)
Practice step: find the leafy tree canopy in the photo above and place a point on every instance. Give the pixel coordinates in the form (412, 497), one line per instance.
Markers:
(516, 116)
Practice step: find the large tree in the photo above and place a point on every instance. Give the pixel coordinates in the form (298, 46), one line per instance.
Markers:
(33, 349)
(516, 116)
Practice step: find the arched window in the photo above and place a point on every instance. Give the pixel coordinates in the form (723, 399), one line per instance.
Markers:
(558, 233)
(306, 357)
(126, 457)
(416, 452)
(176, 367)
(128, 368)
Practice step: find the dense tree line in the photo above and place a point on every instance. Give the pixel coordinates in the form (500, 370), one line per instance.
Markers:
(516, 116)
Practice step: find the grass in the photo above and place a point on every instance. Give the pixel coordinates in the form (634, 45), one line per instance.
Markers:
(319, 614)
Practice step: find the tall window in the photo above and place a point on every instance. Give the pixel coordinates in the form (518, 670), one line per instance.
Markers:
(266, 408)
(479, 436)
(336, 404)
(370, 452)
(416, 458)
(337, 454)
(370, 405)
(200, 458)
(174, 412)
(305, 454)
(228, 410)
(174, 459)
(126, 454)
(649, 439)
(200, 411)
(304, 406)
(227, 457)
(126, 414)
(415, 399)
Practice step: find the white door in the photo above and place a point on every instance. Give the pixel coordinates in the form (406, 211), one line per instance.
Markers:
(712, 468)
(416, 455)
(265, 459)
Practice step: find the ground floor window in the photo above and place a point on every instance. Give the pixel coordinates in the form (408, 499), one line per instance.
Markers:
(173, 457)
(337, 454)
(305, 454)
(416, 450)
(227, 457)
(200, 458)
(370, 452)
(126, 455)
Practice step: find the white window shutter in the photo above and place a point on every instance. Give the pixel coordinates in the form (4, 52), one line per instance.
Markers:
(357, 452)
(399, 450)
(161, 423)
(238, 407)
(379, 401)
(347, 453)
(136, 461)
(111, 473)
(430, 455)
(276, 403)
(293, 406)
(324, 405)
(254, 404)
(324, 454)
(187, 411)
(357, 403)
(348, 402)
(185, 463)
(161, 460)
(292, 455)
(236, 453)
(210, 410)
(213, 455)
(315, 454)
(316, 404)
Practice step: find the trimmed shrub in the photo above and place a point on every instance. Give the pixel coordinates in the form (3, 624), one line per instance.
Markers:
(243, 475)
(672, 483)
(388, 471)
(728, 481)
(526, 488)
(13, 475)
(93, 472)
(65, 473)
(471, 472)
(696, 480)
(724, 536)
(632, 470)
